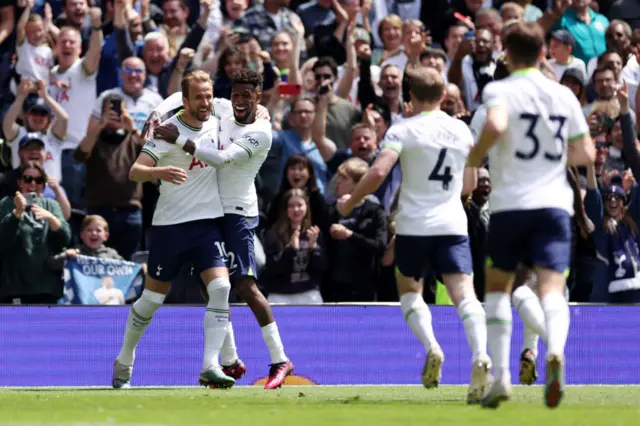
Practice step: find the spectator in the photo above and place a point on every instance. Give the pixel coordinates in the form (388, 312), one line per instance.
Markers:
(452, 103)
(35, 57)
(390, 32)
(296, 256)
(391, 85)
(473, 67)
(357, 47)
(602, 153)
(574, 80)
(31, 148)
(378, 117)
(455, 35)
(605, 85)
(285, 48)
(45, 116)
(531, 12)
(477, 209)
(31, 230)
(263, 21)
(296, 140)
(74, 89)
(299, 174)
(139, 100)
(316, 13)
(174, 26)
(109, 150)
(341, 114)
(94, 233)
(587, 28)
(357, 242)
(435, 58)
(512, 11)
(561, 46)
(489, 18)
(76, 14)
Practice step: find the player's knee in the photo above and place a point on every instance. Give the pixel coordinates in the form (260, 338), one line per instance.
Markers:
(218, 287)
(153, 296)
(521, 294)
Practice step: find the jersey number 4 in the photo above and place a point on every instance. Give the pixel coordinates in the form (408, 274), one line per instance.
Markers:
(533, 120)
(445, 177)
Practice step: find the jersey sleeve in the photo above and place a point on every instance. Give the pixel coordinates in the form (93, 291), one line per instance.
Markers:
(477, 122)
(493, 97)
(222, 108)
(578, 125)
(254, 142)
(156, 149)
(393, 139)
(168, 107)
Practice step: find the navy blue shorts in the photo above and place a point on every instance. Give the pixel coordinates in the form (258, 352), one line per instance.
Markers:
(198, 243)
(440, 254)
(238, 232)
(532, 237)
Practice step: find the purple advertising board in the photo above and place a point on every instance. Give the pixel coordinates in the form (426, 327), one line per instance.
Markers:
(329, 345)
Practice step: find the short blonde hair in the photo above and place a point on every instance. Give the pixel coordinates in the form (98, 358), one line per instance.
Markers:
(94, 218)
(199, 76)
(511, 7)
(393, 20)
(606, 108)
(354, 168)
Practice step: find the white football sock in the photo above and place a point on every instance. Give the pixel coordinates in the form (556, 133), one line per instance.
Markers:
(228, 353)
(475, 326)
(557, 316)
(139, 318)
(418, 316)
(530, 312)
(271, 337)
(498, 308)
(216, 321)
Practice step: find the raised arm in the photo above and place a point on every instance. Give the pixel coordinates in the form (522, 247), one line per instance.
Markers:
(7, 20)
(9, 126)
(326, 146)
(59, 127)
(22, 22)
(91, 60)
(351, 68)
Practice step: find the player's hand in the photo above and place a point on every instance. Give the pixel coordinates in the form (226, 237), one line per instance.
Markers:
(623, 97)
(174, 175)
(295, 239)
(343, 205)
(312, 235)
(340, 232)
(627, 180)
(20, 203)
(149, 126)
(167, 132)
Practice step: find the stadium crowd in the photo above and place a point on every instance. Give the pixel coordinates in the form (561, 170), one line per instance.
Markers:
(79, 79)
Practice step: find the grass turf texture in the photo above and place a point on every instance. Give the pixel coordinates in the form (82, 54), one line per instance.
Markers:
(313, 405)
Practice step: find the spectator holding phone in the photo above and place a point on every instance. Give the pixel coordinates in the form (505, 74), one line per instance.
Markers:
(109, 150)
(31, 230)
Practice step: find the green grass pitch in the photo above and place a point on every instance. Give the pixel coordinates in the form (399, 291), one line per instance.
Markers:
(313, 405)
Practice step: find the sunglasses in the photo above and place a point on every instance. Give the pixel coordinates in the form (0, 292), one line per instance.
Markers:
(30, 179)
(602, 145)
(130, 71)
(324, 77)
(613, 196)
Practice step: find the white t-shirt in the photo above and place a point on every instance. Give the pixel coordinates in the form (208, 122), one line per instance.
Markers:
(138, 108)
(574, 63)
(197, 198)
(237, 181)
(77, 100)
(631, 74)
(34, 62)
(433, 150)
(529, 163)
(52, 152)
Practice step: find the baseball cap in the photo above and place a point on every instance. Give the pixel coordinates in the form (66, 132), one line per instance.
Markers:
(29, 138)
(616, 190)
(39, 106)
(565, 37)
(574, 73)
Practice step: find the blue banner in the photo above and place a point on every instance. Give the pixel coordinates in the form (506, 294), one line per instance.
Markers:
(96, 281)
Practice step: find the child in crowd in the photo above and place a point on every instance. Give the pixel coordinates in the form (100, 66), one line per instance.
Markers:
(35, 57)
(561, 48)
(94, 233)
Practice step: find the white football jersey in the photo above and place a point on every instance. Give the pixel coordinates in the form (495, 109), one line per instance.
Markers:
(170, 106)
(197, 198)
(237, 180)
(433, 150)
(529, 164)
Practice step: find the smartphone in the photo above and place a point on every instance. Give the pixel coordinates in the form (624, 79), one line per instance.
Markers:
(245, 36)
(116, 106)
(323, 89)
(290, 89)
(31, 199)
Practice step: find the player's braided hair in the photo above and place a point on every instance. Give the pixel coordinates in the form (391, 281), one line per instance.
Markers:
(247, 76)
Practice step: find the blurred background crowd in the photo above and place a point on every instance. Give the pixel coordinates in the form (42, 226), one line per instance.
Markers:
(80, 77)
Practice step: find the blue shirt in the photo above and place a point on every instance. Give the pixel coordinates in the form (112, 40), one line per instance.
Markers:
(590, 42)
